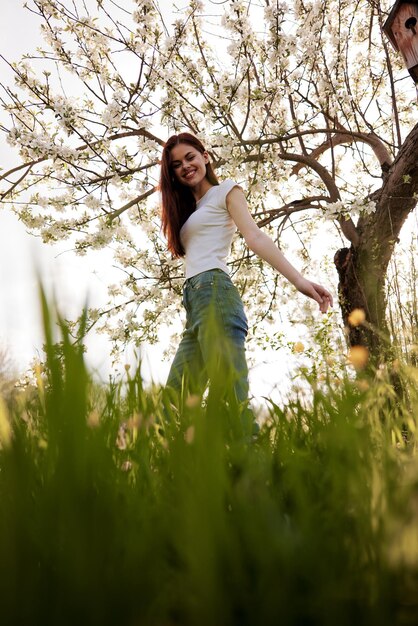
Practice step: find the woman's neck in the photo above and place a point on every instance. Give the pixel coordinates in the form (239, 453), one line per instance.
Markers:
(200, 189)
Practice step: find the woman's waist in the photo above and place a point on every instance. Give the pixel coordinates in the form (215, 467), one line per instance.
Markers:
(213, 276)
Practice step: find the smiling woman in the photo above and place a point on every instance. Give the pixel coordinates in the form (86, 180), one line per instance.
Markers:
(199, 217)
(178, 200)
(189, 166)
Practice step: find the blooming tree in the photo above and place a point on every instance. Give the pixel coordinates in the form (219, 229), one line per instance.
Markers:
(304, 103)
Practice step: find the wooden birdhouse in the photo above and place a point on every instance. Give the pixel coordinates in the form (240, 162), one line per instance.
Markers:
(401, 27)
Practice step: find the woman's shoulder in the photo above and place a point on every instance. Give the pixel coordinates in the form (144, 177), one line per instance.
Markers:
(228, 182)
(224, 188)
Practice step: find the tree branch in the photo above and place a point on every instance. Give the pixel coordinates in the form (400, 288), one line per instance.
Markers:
(112, 216)
(347, 226)
(396, 198)
(340, 137)
(131, 133)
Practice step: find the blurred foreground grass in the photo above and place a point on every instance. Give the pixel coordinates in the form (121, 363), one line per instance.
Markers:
(112, 514)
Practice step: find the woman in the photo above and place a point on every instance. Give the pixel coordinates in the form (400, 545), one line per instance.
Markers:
(199, 218)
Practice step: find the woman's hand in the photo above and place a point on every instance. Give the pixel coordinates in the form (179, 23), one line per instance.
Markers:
(316, 292)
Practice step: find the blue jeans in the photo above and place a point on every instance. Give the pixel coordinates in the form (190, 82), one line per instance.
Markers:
(213, 342)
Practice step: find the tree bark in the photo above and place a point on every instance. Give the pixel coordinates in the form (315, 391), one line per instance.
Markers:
(362, 268)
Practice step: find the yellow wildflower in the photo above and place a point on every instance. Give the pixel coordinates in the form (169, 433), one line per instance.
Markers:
(93, 419)
(189, 435)
(298, 347)
(192, 401)
(356, 317)
(358, 356)
(5, 427)
(362, 385)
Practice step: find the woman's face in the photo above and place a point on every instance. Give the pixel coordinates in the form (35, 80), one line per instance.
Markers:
(188, 164)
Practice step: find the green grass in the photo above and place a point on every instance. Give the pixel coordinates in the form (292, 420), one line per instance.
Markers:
(110, 513)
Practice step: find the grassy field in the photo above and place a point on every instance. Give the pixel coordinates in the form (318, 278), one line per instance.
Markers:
(115, 511)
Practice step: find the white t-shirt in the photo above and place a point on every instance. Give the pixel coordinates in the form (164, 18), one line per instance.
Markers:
(207, 234)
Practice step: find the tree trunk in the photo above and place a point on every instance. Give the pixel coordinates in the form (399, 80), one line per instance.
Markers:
(362, 269)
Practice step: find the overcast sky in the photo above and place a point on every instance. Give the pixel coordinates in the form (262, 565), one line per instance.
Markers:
(73, 279)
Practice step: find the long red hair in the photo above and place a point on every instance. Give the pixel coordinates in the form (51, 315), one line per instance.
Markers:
(177, 200)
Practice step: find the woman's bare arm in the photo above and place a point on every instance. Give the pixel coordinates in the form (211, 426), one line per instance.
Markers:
(260, 243)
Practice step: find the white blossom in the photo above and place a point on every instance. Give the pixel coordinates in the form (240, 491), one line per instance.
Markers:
(92, 202)
(270, 72)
